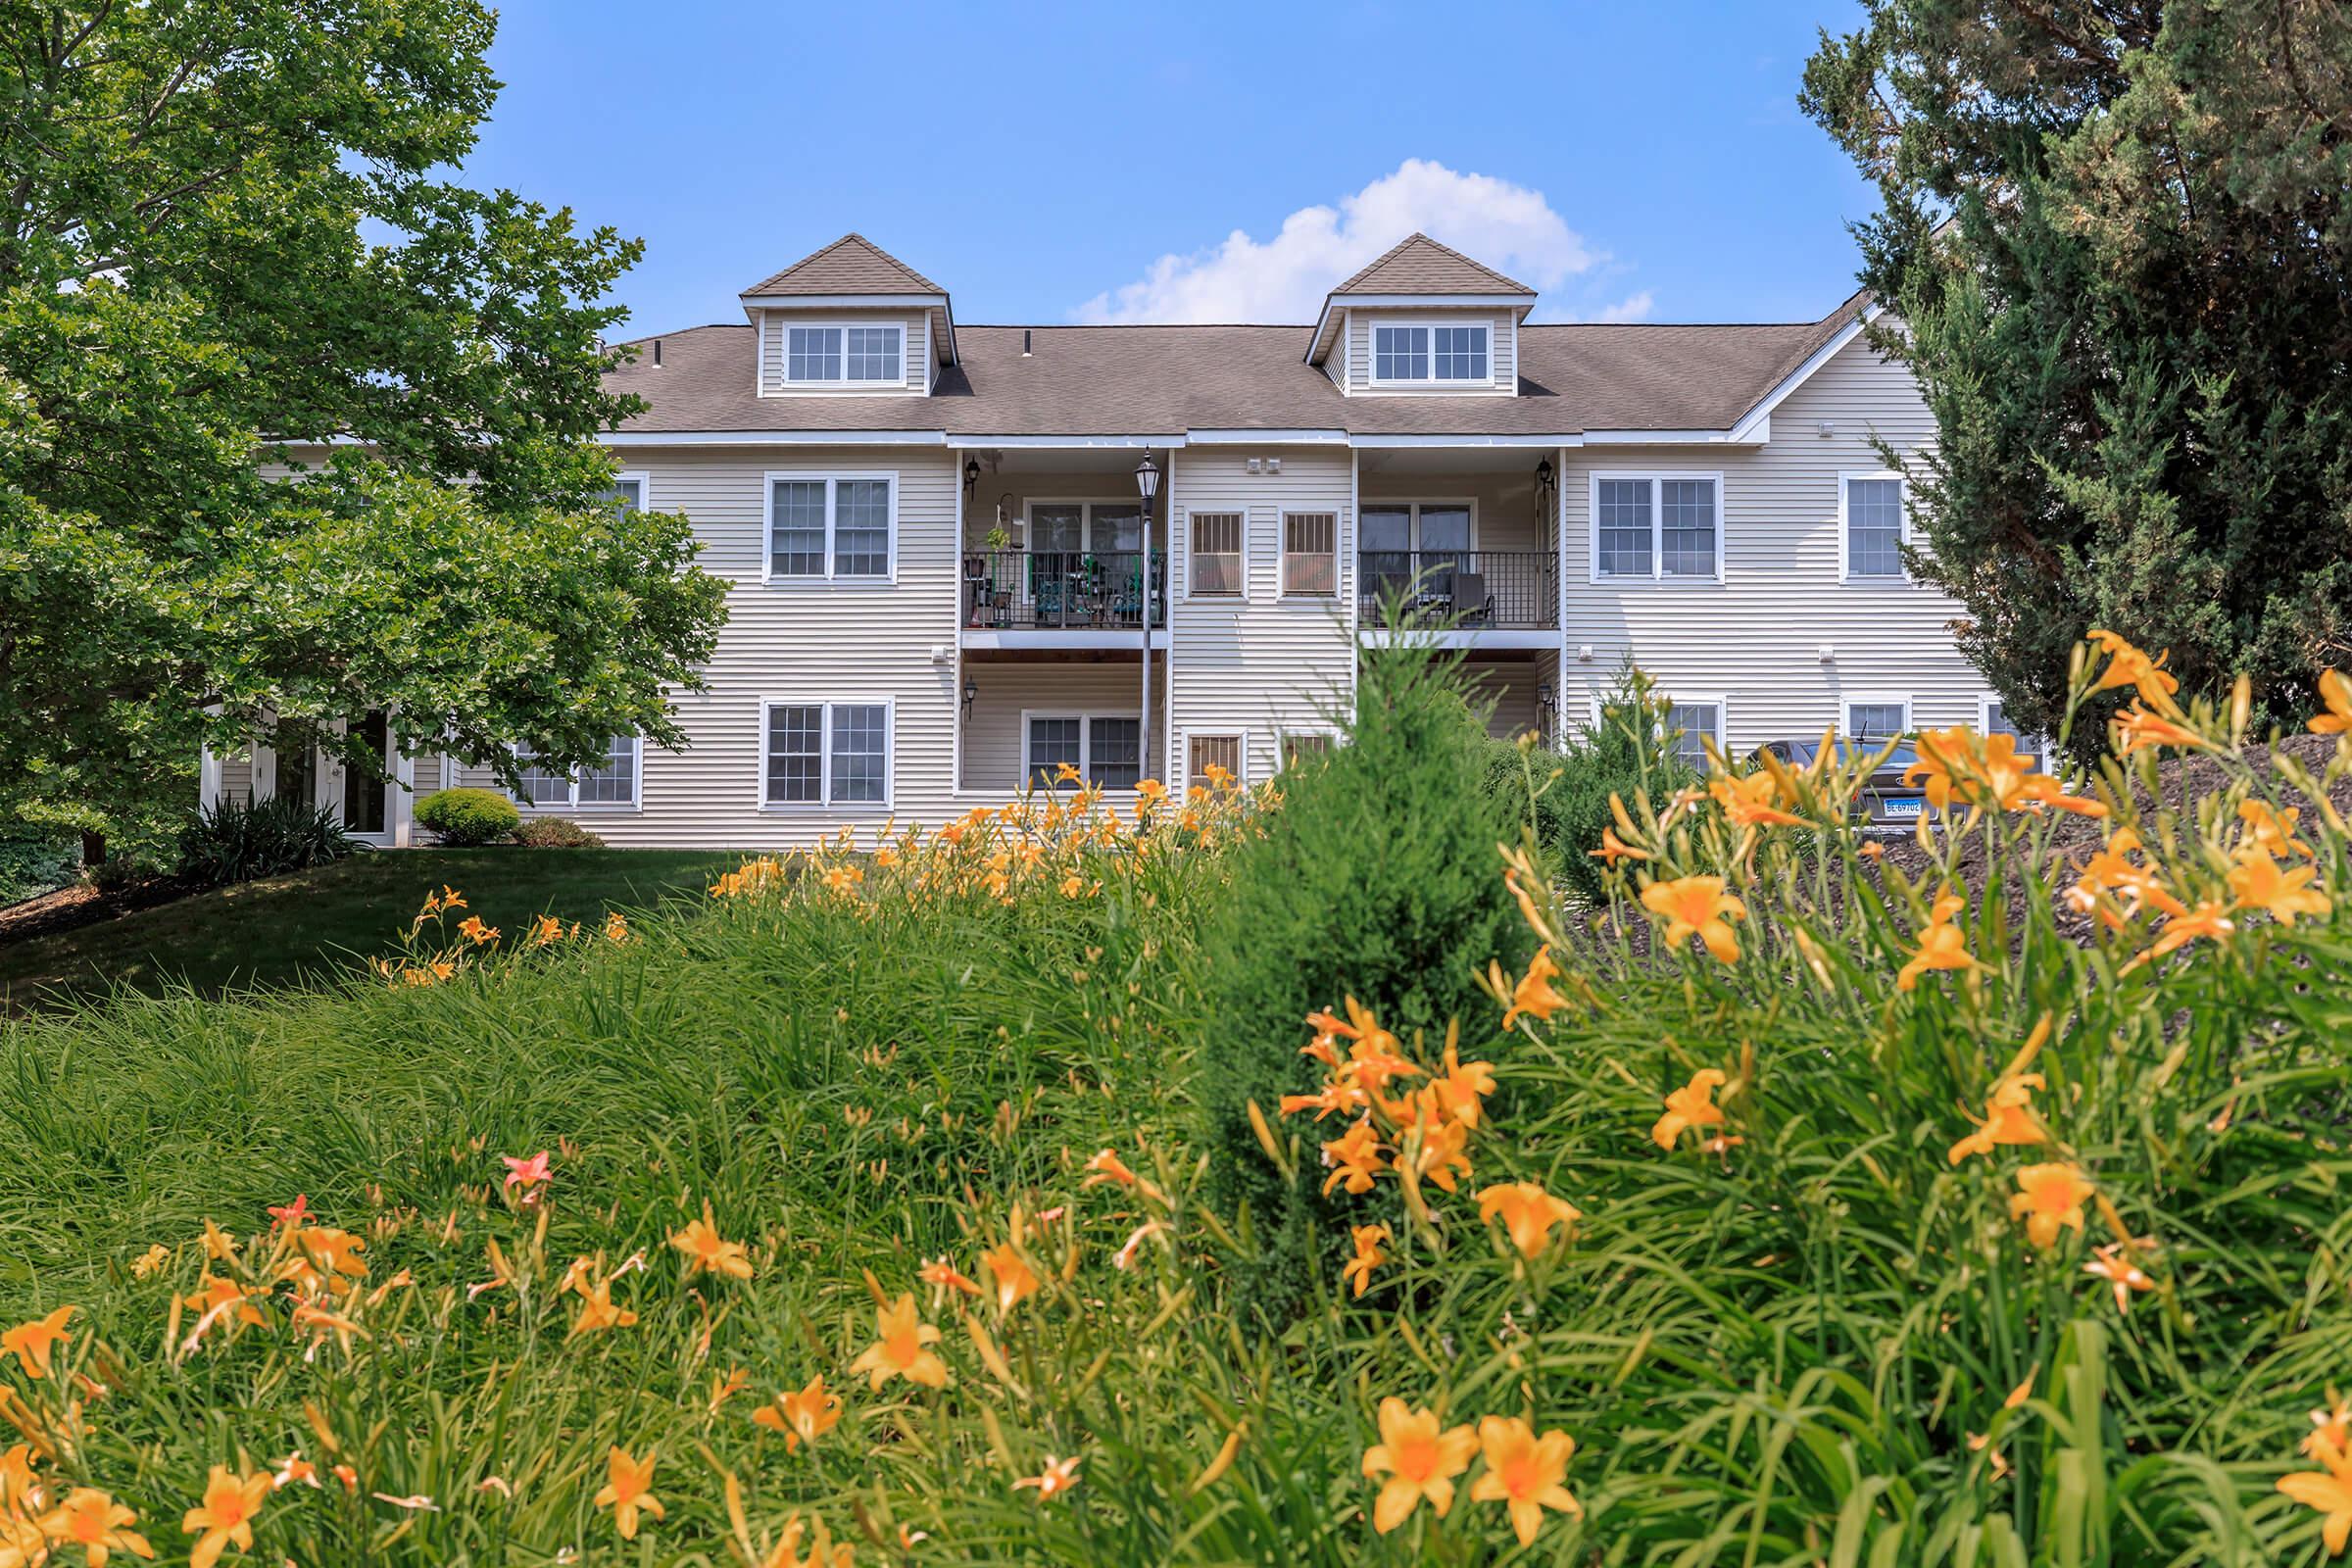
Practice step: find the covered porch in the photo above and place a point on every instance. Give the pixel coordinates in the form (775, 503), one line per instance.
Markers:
(1054, 548)
(1469, 534)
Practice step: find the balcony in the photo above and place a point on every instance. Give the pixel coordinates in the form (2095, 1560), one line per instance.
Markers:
(1478, 590)
(1074, 590)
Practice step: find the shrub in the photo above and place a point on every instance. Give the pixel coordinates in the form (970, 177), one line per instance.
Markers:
(1377, 879)
(1629, 753)
(464, 818)
(556, 833)
(238, 841)
(35, 864)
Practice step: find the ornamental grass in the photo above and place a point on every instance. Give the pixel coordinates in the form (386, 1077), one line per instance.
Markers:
(1786, 1207)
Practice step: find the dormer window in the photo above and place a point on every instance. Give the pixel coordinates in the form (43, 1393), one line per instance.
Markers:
(844, 356)
(1420, 355)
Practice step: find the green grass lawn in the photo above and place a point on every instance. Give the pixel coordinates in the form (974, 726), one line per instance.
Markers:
(287, 929)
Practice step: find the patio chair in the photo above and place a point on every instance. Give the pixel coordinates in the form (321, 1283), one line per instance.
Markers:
(1470, 602)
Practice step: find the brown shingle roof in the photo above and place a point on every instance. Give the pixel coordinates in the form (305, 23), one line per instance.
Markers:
(1419, 264)
(851, 265)
(1155, 380)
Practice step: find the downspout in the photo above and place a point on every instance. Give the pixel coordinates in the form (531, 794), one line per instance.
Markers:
(1144, 736)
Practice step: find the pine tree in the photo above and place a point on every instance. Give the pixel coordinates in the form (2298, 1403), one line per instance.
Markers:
(2113, 248)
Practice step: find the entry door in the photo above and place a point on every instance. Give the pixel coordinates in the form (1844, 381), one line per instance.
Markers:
(362, 795)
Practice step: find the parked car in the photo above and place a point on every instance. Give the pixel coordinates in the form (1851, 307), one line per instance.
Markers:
(1886, 801)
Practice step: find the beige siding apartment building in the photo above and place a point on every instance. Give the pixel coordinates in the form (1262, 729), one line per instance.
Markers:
(940, 561)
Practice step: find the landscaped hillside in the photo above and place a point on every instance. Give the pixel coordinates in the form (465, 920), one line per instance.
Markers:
(882, 1198)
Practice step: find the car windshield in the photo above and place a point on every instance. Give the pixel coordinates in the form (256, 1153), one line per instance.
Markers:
(1849, 752)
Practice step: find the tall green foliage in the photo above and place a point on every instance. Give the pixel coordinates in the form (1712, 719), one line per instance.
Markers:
(227, 224)
(1378, 878)
(2131, 330)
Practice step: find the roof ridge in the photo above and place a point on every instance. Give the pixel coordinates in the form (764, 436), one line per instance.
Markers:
(922, 284)
(1443, 249)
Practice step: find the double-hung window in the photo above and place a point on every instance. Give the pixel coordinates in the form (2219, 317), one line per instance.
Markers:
(826, 754)
(837, 525)
(1217, 555)
(1996, 721)
(609, 785)
(1876, 720)
(1692, 722)
(844, 356)
(1419, 354)
(1310, 553)
(627, 493)
(1870, 512)
(1107, 748)
(1666, 527)
(1204, 752)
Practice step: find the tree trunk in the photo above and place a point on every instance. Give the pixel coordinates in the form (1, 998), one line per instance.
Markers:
(93, 850)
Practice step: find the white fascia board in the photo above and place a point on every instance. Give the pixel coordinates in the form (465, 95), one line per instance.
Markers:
(1797, 377)
(1074, 441)
(1385, 302)
(1755, 434)
(1264, 438)
(774, 438)
(1371, 441)
(843, 301)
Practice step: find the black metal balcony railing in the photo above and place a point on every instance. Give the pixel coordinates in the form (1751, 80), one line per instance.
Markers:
(1031, 590)
(1503, 589)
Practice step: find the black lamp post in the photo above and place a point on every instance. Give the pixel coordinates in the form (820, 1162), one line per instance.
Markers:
(1147, 485)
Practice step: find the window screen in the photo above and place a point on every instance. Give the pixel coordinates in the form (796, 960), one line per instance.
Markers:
(1214, 751)
(1874, 528)
(1216, 552)
(1309, 552)
(812, 354)
(1699, 722)
(1875, 721)
(1623, 526)
(796, 756)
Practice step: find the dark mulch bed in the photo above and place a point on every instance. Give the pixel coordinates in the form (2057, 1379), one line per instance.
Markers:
(71, 909)
(2182, 782)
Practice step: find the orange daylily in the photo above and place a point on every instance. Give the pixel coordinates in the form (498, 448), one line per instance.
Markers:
(1057, 1477)
(2117, 1269)
(2331, 1430)
(1525, 1473)
(1941, 944)
(30, 1343)
(1751, 801)
(899, 1349)
(1691, 1106)
(2111, 886)
(706, 1250)
(2273, 830)
(1419, 1460)
(628, 1489)
(1696, 905)
(2127, 665)
(1107, 1166)
(1368, 1255)
(232, 1502)
(1614, 849)
(1458, 1088)
(597, 1311)
(2048, 1197)
(2329, 1490)
(802, 1416)
(1440, 1156)
(2008, 1118)
(2335, 689)
(1354, 1156)
(93, 1521)
(1015, 1279)
(1532, 995)
(2208, 919)
(2286, 892)
(1528, 1213)
(2137, 731)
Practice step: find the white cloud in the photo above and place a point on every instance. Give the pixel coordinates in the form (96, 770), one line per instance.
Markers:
(1631, 308)
(1507, 226)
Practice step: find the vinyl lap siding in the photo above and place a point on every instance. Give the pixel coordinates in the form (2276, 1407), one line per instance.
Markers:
(1265, 664)
(1754, 640)
(992, 739)
(803, 643)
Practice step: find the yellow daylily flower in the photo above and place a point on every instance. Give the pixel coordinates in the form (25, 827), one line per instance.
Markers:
(2048, 1198)
(628, 1489)
(1696, 905)
(901, 1349)
(1691, 1106)
(1525, 1473)
(1419, 1460)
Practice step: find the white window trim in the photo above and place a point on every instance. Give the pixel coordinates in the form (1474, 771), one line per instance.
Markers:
(1847, 701)
(1416, 505)
(1241, 739)
(832, 479)
(826, 804)
(1901, 578)
(644, 482)
(2036, 746)
(1191, 589)
(573, 805)
(1086, 734)
(1715, 700)
(843, 383)
(1658, 529)
(1432, 382)
(1282, 737)
(1341, 575)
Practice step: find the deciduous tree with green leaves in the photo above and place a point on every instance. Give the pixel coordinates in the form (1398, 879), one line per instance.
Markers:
(229, 237)
(2116, 236)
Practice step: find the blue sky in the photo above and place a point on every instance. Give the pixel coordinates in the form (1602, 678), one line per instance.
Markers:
(1048, 163)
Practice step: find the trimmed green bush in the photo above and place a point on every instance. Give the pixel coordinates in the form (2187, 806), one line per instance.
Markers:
(464, 818)
(556, 833)
(35, 864)
(1629, 751)
(238, 841)
(1378, 878)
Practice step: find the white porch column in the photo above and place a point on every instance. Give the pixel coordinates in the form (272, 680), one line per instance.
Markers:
(1559, 542)
(404, 794)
